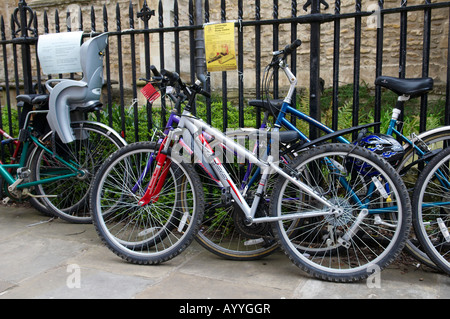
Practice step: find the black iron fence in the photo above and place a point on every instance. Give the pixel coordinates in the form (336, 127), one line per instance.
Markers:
(333, 34)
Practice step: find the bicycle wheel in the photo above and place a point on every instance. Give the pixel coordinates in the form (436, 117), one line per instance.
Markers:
(155, 232)
(431, 208)
(368, 227)
(68, 198)
(224, 231)
(434, 139)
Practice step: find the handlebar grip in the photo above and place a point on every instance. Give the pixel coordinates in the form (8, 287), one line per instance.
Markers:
(154, 70)
(171, 76)
(292, 47)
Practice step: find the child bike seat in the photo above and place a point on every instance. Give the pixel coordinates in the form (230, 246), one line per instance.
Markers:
(409, 87)
(70, 95)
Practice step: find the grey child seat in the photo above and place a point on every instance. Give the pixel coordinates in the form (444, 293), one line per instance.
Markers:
(69, 99)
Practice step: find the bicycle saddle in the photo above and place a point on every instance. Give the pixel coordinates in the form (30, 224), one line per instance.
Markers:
(34, 99)
(281, 136)
(26, 103)
(409, 87)
(70, 95)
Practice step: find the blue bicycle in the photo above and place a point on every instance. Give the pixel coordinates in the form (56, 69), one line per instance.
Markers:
(407, 157)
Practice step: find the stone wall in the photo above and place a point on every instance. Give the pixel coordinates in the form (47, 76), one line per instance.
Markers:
(439, 42)
(439, 38)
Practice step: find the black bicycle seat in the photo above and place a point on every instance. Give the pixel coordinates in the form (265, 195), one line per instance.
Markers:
(288, 136)
(281, 136)
(409, 87)
(34, 99)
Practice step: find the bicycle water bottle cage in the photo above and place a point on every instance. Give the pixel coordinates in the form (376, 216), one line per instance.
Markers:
(70, 95)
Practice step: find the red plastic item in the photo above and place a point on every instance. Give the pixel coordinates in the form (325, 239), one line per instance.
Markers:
(150, 93)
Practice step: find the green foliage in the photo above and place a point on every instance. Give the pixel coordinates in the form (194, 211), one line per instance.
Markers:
(411, 120)
(232, 113)
(435, 114)
(14, 120)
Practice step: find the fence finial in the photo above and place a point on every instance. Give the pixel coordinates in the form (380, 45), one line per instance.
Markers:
(23, 17)
(145, 14)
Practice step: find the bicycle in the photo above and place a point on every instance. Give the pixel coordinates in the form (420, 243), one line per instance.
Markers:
(56, 174)
(148, 214)
(417, 150)
(430, 204)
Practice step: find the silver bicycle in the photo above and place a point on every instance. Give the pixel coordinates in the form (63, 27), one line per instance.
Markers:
(338, 211)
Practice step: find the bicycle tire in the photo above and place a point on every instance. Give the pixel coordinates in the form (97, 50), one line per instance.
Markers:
(434, 139)
(68, 198)
(223, 231)
(430, 211)
(153, 233)
(34, 201)
(343, 239)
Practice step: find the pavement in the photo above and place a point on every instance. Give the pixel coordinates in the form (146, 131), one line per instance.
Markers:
(52, 259)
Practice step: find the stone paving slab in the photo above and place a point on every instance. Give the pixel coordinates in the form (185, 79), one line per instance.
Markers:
(52, 259)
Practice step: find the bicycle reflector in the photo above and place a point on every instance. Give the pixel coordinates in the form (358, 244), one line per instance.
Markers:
(150, 93)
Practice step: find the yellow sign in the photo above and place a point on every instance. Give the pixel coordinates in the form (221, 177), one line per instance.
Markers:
(219, 47)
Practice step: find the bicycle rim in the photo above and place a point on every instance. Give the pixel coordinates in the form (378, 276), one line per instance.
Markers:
(431, 209)
(152, 233)
(434, 141)
(68, 198)
(349, 245)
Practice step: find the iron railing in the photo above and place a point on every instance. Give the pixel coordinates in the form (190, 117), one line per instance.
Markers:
(124, 64)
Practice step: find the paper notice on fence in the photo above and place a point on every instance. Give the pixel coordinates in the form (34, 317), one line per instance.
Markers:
(60, 52)
(220, 47)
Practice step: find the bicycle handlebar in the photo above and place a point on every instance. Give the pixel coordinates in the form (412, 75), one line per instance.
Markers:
(173, 77)
(154, 70)
(292, 47)
(199, 89)
(288, 49)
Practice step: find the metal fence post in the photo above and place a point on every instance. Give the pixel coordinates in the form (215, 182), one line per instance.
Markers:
(23, 17)
(145, 14)
(314, 77)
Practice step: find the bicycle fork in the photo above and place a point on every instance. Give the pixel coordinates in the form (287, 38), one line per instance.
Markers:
(158, 177)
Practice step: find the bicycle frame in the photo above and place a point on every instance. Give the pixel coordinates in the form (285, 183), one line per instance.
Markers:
(194, 126)
(198, 128)
(287, 108)
(10, 139)
(17, 183)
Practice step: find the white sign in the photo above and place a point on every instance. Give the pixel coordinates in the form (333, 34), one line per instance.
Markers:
(60, 52)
